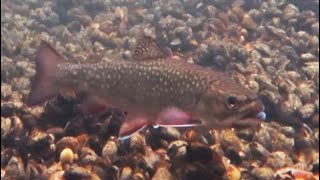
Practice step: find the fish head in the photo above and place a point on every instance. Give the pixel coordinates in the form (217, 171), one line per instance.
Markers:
(230, 105)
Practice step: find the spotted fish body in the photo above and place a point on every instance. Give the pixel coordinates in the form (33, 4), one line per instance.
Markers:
(152, 84)
(153, 89)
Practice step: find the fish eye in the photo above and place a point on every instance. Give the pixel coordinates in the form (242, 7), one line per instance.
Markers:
(232, 102)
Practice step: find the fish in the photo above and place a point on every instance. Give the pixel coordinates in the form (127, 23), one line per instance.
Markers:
(154, 88)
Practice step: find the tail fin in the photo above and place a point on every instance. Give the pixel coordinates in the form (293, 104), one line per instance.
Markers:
(42, 87)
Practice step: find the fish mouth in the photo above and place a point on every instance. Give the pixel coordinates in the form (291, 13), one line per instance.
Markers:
(251, 118)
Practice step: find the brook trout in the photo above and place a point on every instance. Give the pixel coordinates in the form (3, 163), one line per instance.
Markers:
(154, 88)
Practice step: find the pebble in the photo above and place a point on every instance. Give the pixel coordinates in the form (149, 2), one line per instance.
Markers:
(5, 91)
(162, 173)
(66, 156)
(263, 173)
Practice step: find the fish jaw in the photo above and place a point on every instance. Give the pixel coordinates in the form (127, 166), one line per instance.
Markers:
(251, 116)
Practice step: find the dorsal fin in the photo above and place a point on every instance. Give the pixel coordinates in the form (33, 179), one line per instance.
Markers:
(148, 49)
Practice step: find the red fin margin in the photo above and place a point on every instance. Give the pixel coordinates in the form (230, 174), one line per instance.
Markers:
(170, 117)
(132, 125)
(42, 87)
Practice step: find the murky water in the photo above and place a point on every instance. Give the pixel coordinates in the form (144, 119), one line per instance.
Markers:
(270, 47)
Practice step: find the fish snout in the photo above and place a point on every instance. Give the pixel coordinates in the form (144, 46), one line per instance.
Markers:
(258, 109)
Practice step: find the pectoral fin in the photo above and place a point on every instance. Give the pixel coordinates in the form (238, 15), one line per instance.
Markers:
(176, 117)
(172, 116)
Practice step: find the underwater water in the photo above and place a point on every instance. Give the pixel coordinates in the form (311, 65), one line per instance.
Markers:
(167, 89)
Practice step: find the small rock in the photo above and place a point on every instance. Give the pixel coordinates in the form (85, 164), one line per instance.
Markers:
(5, 91)
(66, 156)
(306, 110)
(263, 173)
(279, 160)
(14, 168)
(88, 156)
(110, 149)
(8, 69)
(162, 173)
(150, 157)
(199, 152)
(21, 84)
(248, 22)
(77, 172)
(308, 57)
(5, 126)
(25, 68)
(126, 173)
(263, 48)
(137, 142)
(177, 149)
